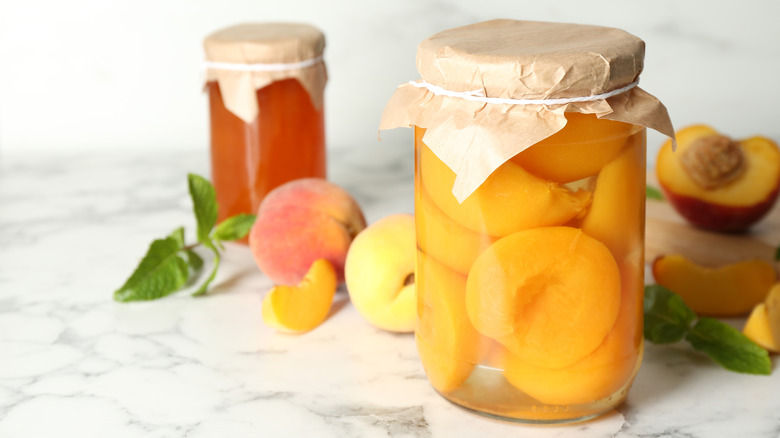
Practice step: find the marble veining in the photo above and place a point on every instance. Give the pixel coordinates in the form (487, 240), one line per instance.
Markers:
(75, 363)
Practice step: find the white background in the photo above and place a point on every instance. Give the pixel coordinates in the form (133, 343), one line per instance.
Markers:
(80, 76)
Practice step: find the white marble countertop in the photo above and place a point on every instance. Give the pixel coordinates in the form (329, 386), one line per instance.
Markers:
(75, 363)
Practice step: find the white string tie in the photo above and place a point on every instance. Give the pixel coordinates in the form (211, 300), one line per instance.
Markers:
(479, 95)
(262, 67)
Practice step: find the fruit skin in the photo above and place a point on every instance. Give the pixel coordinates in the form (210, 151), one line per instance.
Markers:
(734, 206)
(729, 290)
(302, 221)
(301, 308)
(379, 266)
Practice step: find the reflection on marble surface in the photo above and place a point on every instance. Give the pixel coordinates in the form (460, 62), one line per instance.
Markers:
(74, 361)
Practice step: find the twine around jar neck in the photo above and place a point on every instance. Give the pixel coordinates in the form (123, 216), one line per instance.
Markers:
(282, 66)
(479, 95)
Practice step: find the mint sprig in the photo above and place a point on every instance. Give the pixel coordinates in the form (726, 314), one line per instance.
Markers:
(169, 264)
(668, 320)
(653, 193)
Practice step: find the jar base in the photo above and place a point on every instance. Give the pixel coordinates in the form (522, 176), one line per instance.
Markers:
(488, 394)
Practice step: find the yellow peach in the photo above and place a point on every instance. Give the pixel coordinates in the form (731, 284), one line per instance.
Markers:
(302, 221)
(550, 295)
(773, 312)
(444, 239)
(758, 329)
(301, 308)
(577, 151)
(511, 199)
(447, 343)
(599, 374)
(729, 290)
(379, 272)
(717, 183)
(616, 214)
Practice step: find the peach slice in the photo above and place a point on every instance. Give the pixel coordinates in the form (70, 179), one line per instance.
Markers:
(758, 330)
(550, 295)
(444, 239)
(510, 200)
(729, 290)
(301, 308)
(577, 151)
(601, 373)
(773, 312)
(616, 215)
(447, 343)
(717, 183)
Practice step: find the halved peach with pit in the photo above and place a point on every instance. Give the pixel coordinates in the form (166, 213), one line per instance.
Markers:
(599, 374)
(301, 308)
(578, 151)
(444, 239)
(550, 295)
(511, 199)
(718, 183)
(447, 343)
(616, 214)
(729, 290)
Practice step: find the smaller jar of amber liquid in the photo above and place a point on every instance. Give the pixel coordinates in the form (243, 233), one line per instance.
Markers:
(529, 213)
(265, 83)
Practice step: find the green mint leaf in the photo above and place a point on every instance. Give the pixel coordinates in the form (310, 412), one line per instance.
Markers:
(178, 235)
(194, 260)
(653, 193)
(204, 204)
(204, 287)
(728, 347)
(667, 317)
(234, 227)
(161, 272)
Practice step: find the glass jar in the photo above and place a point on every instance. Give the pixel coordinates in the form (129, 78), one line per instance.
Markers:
(265, 86)
(530, 241)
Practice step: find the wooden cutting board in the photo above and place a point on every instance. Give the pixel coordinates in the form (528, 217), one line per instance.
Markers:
(667, 232)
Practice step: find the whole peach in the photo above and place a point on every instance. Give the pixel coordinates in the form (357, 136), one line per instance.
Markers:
(302, 221)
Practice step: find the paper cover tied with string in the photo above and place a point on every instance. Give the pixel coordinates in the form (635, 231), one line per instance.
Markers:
(492, 89)
(247, 57)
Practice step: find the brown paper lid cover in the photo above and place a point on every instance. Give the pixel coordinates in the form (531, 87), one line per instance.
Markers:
(510, 59)
(288, 50)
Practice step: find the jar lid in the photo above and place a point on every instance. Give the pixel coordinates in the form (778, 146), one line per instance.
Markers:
(490, 90)
(266, 43)
(531, 60)
(246, 57)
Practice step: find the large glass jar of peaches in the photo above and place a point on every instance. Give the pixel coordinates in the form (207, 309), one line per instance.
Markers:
(529, 209)
(265, 83)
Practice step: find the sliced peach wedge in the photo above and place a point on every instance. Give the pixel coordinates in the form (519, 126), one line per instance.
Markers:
(729, 290)
(758, 329)
(447, 343)
(301, 308)
(511, 199)
(763, 324)
(577, 151)
(717, 183)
